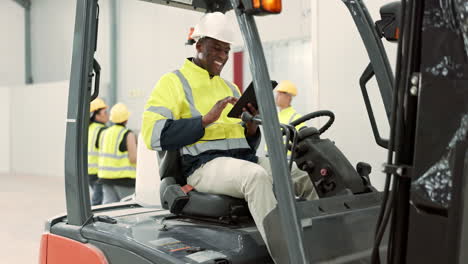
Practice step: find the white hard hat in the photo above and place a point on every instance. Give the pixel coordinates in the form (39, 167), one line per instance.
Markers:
(214, 25)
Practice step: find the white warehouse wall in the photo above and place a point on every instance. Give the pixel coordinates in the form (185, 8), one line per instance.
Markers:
(12, 70)
(5, 130)
(52, 24)
(339, 62)
(52, 30)
(151, 43)
(38, 114)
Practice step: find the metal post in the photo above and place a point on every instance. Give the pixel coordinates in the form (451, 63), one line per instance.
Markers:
(26, 4)
(27, 44)
(114, 50)
(281, 176)
(76, 163)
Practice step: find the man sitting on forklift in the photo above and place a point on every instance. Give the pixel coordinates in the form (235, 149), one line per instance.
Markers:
(187, 112)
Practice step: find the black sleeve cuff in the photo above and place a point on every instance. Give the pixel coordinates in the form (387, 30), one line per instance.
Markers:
(254, 141)
(182, 132)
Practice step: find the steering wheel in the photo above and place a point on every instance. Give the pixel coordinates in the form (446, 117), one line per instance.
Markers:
(316, 114)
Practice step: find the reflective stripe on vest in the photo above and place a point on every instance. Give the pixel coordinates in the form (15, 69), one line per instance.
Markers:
(113, 163)
(233, 89)
(156, 136)
(159, 125)
(292, 118)
(93, 152)
(225, 144)
(161, 110)
(188, 93)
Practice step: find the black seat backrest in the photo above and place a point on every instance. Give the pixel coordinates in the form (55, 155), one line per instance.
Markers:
(170, 166)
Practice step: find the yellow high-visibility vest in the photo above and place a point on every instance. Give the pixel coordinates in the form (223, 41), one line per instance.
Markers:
(113, 163)
(187, 93)
(286, 116)
(93, 152)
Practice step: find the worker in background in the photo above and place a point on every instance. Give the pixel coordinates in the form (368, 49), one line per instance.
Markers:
(117, 157)
(187, 111)
(97, 124)
(285, 92)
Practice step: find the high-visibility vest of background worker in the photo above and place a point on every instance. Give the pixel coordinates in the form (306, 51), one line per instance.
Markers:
(117, 157)
(285, 93)
(97, 123)
(187, 112)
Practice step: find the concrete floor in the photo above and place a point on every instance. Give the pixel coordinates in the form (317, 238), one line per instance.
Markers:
(26, 202)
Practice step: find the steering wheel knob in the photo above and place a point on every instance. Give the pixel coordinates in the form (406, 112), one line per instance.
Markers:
(324, 172)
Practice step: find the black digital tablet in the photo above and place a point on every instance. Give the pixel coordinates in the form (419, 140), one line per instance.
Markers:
(247, 97)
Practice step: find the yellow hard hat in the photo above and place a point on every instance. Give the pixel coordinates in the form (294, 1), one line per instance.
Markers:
(97, 104)
(119, 113)
(287, 87)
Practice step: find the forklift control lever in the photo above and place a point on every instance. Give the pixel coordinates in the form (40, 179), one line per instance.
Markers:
(247, 117)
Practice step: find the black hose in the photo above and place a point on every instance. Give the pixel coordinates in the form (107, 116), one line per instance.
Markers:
(395, 251)
(387, 205)
(391, 236)
(293, 147)
(287, 133)
(384, 222)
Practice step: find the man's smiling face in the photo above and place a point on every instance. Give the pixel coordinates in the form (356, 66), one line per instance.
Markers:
(212, 54)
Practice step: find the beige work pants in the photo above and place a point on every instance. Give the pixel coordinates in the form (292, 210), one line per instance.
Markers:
(248, 180)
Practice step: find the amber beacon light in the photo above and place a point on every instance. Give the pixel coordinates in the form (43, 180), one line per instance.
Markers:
(263, 7)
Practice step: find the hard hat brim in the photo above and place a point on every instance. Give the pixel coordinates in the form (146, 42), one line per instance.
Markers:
(103, 107)
(197, 38)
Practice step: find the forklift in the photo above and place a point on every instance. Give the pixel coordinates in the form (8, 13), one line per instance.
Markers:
(351, 222)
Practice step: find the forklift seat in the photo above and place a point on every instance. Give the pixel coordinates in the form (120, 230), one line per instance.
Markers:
(194, 204)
